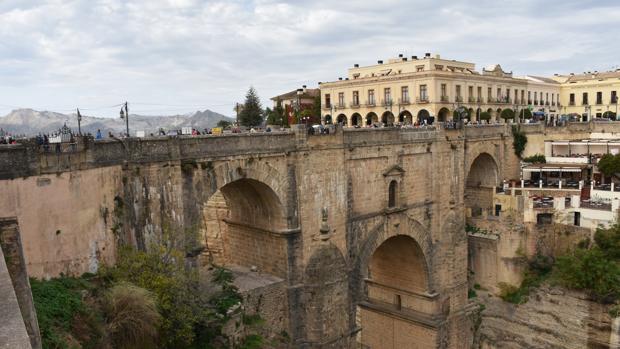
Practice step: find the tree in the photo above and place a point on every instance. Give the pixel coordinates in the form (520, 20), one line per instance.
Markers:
(223, 124)
(610, 115)
(525, 114)
(316, 109)
(460, 114)
(276, 116)
(609, 164)
(252, 113)
(507, 114)
(485, 116)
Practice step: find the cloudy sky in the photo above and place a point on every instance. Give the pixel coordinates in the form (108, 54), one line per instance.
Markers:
(176, 56)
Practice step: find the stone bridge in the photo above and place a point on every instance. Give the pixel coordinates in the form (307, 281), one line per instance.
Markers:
(360, 232)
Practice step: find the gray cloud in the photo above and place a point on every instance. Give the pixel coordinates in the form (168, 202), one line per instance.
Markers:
(171, 56)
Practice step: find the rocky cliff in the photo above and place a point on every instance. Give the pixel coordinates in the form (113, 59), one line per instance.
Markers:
(553, 318)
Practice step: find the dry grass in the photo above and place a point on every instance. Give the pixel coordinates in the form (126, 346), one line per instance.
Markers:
(131, 316)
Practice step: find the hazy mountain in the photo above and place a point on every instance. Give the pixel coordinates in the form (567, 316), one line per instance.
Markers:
(30, 122)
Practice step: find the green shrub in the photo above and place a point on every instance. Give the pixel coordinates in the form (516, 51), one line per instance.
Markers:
(608, 240)
(590, 270)
(57, 303)
(536, 159)
(485, 116)
(252, 341)
(471, 293)
(507, 114)
(161, 271)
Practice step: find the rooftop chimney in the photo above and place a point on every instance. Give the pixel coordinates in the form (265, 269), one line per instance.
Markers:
(414, 57)
(404, 59)
(304, 88)
(427, 55)
(356, 65)
(400, 55)
(339, 78)
(379, 62)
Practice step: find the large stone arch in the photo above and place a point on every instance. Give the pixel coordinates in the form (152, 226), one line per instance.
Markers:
(356, 119)
(245, 217)
(395, 282)
(397, 224)
(483, 176)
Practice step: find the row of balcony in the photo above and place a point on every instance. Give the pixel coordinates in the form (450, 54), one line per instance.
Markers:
(442, 99)
(585, 103)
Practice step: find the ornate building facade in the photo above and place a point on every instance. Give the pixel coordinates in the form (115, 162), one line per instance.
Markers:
(421, 90)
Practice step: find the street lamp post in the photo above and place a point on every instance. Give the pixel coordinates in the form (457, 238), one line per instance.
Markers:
(298, 105)
(79, 120)
(125, 115)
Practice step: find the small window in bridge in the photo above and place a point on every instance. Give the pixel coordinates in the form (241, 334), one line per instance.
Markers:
(392, 194)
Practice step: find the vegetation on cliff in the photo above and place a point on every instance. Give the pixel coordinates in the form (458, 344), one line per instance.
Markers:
(519, 140)
(593, 267)
(148, 300)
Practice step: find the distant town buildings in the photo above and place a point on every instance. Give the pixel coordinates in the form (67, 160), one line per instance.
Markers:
(418, 90)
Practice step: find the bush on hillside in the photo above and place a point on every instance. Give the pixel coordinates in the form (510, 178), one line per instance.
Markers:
(131, 315)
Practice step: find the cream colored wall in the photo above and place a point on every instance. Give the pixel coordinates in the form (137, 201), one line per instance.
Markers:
(65, 220)
(591, 87)
(432, 79)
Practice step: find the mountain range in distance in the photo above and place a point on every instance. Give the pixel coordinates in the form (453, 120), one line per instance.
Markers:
(30, 122)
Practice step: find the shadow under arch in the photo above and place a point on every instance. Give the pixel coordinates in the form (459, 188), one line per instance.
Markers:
(482, 179)
(395, 292)
(245, 219)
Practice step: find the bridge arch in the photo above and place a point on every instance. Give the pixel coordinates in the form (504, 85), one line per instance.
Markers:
(396, 282)
(244, 216)
(482, 178)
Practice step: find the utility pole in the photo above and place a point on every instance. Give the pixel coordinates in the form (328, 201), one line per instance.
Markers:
(125, 115)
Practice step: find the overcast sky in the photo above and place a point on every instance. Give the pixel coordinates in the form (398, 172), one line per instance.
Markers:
(177, 56)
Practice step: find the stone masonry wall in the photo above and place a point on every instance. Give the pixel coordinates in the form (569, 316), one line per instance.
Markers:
(11, 245)
(65, 219)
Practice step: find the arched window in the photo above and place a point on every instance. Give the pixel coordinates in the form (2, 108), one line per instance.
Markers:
(392, 194)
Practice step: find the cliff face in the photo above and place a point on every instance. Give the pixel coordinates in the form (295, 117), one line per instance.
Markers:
(553, 318)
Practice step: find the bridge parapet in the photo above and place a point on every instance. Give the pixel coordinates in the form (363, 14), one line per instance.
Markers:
(485, 131)
(366, 136)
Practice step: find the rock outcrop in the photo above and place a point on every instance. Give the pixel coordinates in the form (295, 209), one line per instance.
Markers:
(552, 318)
